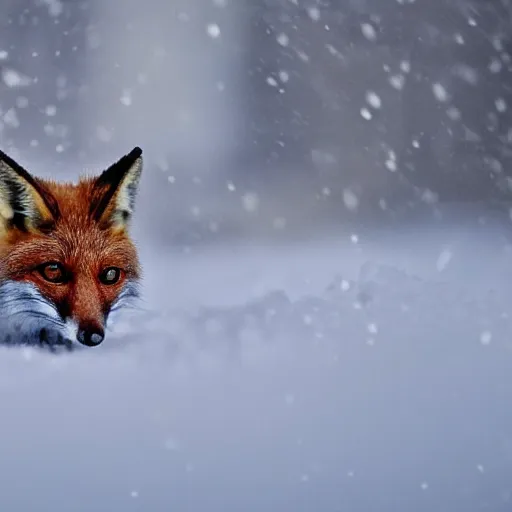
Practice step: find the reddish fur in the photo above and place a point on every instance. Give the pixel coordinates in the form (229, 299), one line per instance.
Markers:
(83, 246)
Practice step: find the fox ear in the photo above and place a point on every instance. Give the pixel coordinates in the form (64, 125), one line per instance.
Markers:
(24, 202)
(115, 191)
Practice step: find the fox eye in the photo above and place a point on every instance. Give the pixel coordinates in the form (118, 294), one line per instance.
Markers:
(110, 275)
(53, 272)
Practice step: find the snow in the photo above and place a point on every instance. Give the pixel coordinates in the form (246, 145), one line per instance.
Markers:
(350, 199)
(11, 118)
(369, 31)
(55, 7)
(283, 39)
(272, 81)
(213, 30)
(440, 92)
(341, 364)
(126, 98)
(366, 114)
(501, 105)
(397, 81)
(274, 377)
(250, 202)
(373, 99)
(13, 78)
(314, 13)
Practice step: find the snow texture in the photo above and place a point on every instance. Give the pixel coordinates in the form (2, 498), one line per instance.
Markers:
(327, 375)
(364, 369)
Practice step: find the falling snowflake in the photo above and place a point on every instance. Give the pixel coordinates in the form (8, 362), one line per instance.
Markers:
(369, 31)
(366, 114)
(272, 81)
(501, 105)
(314, 13)
(126, 98)
(213, 30)
(397, 81)
(283, 39)
(485, 338)
(250, 202)
(373, 99)
(13, 78)
(443, 260)
(350, 200)
(440, 92)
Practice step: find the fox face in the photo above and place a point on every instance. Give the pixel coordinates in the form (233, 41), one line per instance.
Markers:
(66, 258)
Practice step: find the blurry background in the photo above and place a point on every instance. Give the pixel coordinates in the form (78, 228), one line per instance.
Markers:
(325, 231)
(265, 116)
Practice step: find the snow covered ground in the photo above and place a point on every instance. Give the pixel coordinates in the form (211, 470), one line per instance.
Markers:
(358, 370)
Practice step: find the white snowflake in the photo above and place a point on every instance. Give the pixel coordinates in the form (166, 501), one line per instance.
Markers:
(284, 76)
(251, 202)
(405, 66)
(11, 118)
(372, 328)
(501, 105)
(495, 65)
(55, 7)
(350, 199)
(369, 31)
(126, 98)
(440, 93)
(366, 114)
(51, 110)
(283, 39)
(213, 30)
(485, 338)
(272, 81)
(13, 78)
(373, 99)
(391, 165)
(443, 260)
(397, 81)
(314, 13)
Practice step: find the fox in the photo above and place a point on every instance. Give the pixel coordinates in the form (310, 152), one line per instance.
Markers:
(67, 260)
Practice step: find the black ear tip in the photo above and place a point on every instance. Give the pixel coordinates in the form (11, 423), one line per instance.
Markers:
(135, 153)
(4, 157)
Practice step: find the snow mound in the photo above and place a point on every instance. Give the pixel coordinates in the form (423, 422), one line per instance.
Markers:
(384, 392)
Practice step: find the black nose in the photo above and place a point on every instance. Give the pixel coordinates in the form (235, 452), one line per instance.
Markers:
(90, 335)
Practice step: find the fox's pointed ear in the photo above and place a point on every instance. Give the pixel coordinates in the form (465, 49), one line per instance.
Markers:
(24, 202)
(115, 191)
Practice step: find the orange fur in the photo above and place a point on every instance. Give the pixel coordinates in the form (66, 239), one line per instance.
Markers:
(68, 233)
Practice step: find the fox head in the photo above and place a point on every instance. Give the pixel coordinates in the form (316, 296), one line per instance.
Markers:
(66, 258)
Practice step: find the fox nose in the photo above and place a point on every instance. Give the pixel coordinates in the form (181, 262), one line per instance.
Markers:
(90, 335)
